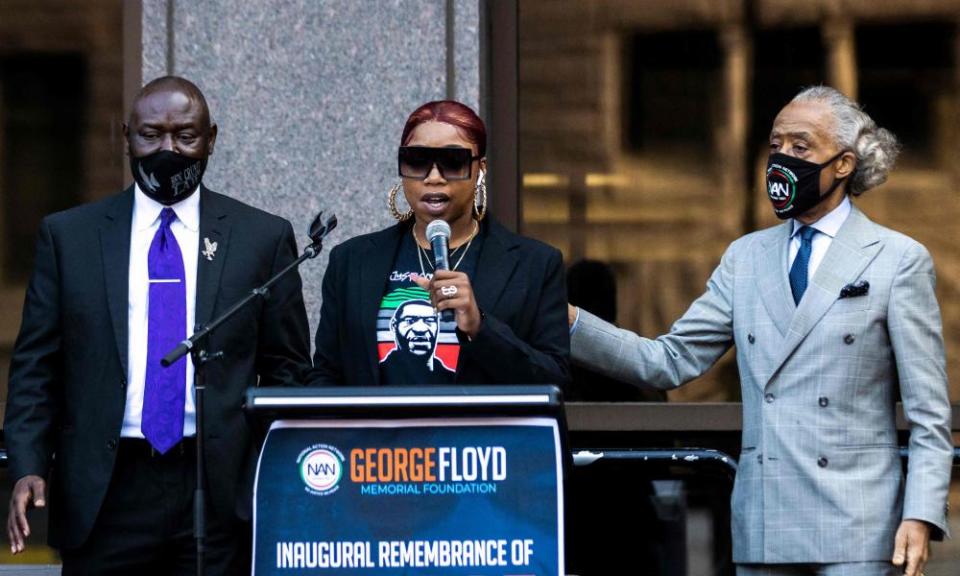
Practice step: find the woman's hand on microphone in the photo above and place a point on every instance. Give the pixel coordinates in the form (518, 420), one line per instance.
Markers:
(450, 290)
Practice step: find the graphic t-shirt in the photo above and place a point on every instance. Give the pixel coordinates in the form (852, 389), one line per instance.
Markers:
(414, 344)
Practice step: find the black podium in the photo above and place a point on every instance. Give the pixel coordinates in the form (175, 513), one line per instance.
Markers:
(410, 480)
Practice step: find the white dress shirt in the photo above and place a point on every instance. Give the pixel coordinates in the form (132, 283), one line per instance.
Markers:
(828, 226)
(144, 226)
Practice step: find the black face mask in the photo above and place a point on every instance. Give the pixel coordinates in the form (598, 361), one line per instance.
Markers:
(793, 185)
(166, 176)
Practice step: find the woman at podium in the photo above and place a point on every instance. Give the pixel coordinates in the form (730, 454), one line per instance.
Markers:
(492, 312)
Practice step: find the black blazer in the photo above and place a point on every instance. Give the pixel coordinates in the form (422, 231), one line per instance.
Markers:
(519, 286)
(68, 373)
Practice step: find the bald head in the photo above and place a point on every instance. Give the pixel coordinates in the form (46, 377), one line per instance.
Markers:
(173, 84)
(170, 113)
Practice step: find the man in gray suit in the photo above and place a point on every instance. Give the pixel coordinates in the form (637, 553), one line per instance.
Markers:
(830, 314)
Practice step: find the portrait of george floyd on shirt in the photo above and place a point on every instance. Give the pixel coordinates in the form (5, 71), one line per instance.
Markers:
(724, 231)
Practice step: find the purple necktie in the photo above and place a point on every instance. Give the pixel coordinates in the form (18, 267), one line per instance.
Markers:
(165, 388)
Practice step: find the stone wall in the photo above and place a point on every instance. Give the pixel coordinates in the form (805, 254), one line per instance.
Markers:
(310, 97)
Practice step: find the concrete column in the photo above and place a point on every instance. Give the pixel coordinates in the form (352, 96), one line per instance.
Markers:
(310, 97)
(3, 221)
(732, 144)
(840, 43)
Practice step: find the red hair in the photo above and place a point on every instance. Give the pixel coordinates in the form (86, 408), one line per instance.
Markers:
(461, 116)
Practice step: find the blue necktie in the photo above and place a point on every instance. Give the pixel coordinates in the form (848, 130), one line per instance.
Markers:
(165, 388)
(798, 272)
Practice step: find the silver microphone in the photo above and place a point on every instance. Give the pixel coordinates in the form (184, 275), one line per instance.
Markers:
(438, 233)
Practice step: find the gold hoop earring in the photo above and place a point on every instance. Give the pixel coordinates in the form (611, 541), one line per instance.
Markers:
(480, 198)
(392, 203)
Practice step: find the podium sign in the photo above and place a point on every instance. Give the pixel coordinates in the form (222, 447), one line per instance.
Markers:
(472, 496)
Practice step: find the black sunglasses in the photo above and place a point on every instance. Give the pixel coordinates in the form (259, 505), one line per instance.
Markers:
(453, 163)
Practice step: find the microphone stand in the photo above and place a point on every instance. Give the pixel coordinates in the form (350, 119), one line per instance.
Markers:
(197, 345)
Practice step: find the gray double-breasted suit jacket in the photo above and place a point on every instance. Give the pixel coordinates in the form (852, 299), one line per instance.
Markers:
(820, 479)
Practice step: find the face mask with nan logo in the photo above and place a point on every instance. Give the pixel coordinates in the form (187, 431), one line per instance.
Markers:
(793, 185)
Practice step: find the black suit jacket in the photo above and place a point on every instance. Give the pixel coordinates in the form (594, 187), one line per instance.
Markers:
(68, 373)
(519, 286)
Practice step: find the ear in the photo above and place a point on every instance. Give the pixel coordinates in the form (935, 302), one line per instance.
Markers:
(213, 139)
(126, 136)
(483, 168)
(845, 164)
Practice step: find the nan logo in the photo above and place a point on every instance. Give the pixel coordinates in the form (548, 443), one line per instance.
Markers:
(781, 187)
(321, 467)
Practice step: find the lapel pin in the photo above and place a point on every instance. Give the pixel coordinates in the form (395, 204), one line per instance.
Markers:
(210, 249)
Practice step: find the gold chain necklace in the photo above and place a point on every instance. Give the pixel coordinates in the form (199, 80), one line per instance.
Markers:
(421, 253)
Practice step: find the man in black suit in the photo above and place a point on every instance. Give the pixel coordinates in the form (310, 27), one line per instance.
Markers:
(116, 284)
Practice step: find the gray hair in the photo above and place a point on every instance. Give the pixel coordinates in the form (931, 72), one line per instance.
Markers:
(876, 148)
